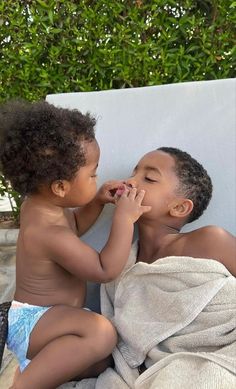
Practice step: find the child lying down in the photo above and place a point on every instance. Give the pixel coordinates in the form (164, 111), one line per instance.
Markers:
(174, 306)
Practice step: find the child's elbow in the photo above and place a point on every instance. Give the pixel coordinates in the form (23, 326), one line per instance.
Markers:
(108, 276)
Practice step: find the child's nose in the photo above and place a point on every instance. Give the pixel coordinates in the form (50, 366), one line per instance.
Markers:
(131, 182)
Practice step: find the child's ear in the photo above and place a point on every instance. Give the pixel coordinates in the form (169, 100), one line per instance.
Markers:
(181, 207)
(60, 188)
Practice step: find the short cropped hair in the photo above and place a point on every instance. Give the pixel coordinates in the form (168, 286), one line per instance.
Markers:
(41, 143)
(194, 180)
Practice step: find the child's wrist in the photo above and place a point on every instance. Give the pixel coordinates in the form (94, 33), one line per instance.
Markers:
(123, 218)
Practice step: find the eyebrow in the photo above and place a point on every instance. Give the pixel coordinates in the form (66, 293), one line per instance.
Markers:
(150, 168)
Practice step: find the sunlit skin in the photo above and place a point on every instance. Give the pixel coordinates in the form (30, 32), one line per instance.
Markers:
(159, 229)
(53, 265)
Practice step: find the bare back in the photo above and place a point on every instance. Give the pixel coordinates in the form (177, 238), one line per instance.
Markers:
(40, 280)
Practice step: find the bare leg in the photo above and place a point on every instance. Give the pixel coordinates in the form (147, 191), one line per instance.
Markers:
(96, 369)
(92, 371)
(65, 343)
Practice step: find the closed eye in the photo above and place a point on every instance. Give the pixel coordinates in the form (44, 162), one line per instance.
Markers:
(150, 179)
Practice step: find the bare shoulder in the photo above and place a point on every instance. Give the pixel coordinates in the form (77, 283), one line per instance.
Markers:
(211, 232)
(215, 243)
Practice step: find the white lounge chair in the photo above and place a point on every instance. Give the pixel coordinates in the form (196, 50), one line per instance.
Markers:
(197, 117)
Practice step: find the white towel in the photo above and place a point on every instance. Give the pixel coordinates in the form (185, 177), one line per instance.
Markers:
(178, 315)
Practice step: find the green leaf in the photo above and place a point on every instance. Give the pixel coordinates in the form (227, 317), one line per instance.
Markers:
(42, 3)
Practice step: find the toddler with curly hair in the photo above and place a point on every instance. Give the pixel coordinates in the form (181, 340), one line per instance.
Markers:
(50, 156)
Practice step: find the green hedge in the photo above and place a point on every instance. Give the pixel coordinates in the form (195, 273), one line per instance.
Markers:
(51, 46)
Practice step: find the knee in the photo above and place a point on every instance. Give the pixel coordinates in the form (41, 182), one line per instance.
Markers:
(105, 336)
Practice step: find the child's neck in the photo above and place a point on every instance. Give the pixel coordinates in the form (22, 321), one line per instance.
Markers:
(44, 203)
(153, 240)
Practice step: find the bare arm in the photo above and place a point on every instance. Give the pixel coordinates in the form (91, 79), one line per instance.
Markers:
(86, 263)
(86, 216)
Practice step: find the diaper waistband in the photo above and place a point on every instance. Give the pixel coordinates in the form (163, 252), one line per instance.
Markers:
(17, 304)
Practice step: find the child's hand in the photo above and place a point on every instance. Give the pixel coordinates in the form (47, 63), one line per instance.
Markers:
(107, 192)
(129, 203)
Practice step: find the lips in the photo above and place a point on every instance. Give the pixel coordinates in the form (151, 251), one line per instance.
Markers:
(120, 191)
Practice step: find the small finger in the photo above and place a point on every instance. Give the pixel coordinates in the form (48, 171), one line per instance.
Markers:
(125, 192)
(120, 190)
(140, 196)
(112, 192)
(112, 199)
(132, 193)
(115, 199)
(120, 193)
(116, 189)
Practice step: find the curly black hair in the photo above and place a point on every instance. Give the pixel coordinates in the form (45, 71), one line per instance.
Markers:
(41, 143)
(195, 182)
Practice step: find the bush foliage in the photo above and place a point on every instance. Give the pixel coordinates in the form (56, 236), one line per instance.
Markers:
(52, 46)
(55, 46)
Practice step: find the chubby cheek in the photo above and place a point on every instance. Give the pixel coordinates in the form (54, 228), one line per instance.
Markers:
(159, 203)
(93, 190)
(148, 199)
(87, 194)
